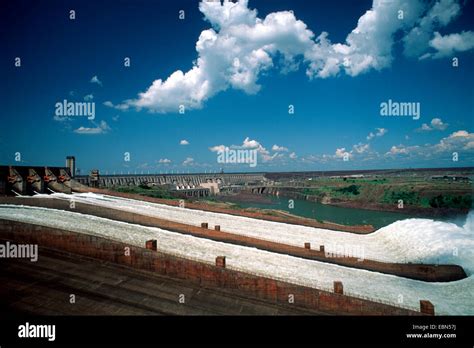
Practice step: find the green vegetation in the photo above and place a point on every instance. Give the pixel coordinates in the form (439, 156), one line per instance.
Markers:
(380, 192)
(316, 191)
(145, 190)
(417, 190)
(449, 201)
(408, 197)
(352, 189)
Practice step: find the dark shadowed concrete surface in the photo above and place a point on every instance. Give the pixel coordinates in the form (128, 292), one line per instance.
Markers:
(102, 288)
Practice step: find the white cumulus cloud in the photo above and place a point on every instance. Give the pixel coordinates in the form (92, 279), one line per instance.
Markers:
(361, 148)
(240, 46)
(456, 141)
(279, 152)
(102, 128)
(448, 45)
(380, 132)
(435, 124)
(122, 106)
(188, 161)
(398, 150)
(95, 80)
(341, 153)
(416, 42)
(279, 148)
(218, 148)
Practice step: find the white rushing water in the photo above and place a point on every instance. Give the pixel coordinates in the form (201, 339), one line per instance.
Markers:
(410, 240)
(455, 298)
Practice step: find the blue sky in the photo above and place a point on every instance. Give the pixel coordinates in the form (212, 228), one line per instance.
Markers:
(237, 88)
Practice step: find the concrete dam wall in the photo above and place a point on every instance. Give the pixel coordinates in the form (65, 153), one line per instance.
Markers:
(173, 179)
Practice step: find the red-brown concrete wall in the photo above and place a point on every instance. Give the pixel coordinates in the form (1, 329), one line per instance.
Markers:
(196, 272)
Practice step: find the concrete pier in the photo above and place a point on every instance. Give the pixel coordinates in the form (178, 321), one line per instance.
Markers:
(27, 180)
(15, 181)
(426, 307)
(34, 181)
(338, 288)
(151, 244)
(220, 261)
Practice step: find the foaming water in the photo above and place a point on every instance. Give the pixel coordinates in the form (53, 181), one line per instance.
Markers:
(409, 240)
(431, 241)
(469, 224)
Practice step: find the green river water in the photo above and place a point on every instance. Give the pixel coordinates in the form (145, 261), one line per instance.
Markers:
(340, 215)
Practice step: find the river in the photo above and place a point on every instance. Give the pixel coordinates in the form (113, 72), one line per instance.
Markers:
(340, 215)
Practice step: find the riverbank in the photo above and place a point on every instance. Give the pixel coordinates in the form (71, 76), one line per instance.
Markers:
(416, 196)
(248, 198)
(415, 211)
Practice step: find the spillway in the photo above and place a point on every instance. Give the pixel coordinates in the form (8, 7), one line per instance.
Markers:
(454, 298)
(410, 240)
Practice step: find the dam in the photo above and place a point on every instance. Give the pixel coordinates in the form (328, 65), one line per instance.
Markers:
(230, 250)
(173, 179)
(21, 180)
